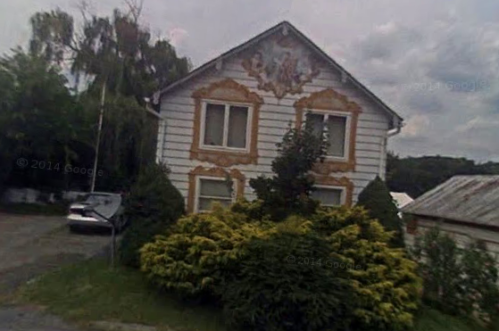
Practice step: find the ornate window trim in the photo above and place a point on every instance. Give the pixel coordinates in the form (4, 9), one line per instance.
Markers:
(333, 182)
(226, 91)
(217, 172)
(334, 102)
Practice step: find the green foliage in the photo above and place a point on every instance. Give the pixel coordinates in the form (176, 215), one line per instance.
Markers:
(332, 270)
(472, 290)
(439, 257)
(429, 319)
(120, 294)
(37, 120)
(43, 120)
(252, 209)
(125, 57)
(6, 160)
(480, 281)
(417, 175)
(40, 106)
(128, 140)
(377, 200)
(287, 192)
(287, 282)
(7, 144)
(385, 284)
(199, 251)
(153, 205)
(154, 197)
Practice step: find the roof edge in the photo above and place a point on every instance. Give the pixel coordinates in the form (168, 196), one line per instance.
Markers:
(235, 50)
(453, 220)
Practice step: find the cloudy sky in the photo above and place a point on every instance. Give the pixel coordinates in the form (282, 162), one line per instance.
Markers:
(434, 62)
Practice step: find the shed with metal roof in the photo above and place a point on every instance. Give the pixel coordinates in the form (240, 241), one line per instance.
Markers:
(469, 199)
(465, 207)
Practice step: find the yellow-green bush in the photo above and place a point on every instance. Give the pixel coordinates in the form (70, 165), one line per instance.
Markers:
(288, 282)
(385, 285)
(331, 271)
(201, 248)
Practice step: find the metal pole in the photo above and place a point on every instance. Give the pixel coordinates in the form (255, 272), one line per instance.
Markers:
(113, 231)
(97, 145)
(113, 245)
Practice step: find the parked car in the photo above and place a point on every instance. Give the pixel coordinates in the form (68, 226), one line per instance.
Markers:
(109, 205)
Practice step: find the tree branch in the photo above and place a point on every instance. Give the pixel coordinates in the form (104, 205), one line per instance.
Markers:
(135, 7)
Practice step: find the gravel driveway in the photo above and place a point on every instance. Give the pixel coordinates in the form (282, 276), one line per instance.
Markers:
(31, 246)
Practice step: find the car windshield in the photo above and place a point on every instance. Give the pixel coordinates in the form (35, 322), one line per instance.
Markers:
(97, 198)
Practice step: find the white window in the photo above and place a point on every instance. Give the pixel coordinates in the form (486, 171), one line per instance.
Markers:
(336, 126)
(225, 126)
(209, 190)
(329, 196)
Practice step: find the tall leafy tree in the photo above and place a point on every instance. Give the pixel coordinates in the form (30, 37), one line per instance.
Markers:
(7, 91)
(128, 140)
(38, 114)
(119, 55)
(116, 50)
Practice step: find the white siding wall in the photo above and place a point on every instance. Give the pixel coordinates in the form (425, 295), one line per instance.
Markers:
(462, 234)
(177, 107)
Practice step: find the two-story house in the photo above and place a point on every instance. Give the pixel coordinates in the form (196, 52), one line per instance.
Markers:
(223, 120)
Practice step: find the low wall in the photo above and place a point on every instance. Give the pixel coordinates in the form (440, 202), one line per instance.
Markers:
(28, 195)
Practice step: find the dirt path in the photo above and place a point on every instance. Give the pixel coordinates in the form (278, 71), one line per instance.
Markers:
(29, 247)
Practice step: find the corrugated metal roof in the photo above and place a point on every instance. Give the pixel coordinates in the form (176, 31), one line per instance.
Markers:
(473, 199)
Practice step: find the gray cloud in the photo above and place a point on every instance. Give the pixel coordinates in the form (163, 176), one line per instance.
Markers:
(388, 41)
(424, 102)
(464, 61)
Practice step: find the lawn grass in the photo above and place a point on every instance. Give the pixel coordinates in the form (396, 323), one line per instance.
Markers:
(91, 291)
(430, 319)
(56, 209)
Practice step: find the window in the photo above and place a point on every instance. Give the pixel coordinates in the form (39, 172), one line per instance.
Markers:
(225, 129)
(212, 190)
(207, 185)
(335, 128)
(225, 126)
(329, 196)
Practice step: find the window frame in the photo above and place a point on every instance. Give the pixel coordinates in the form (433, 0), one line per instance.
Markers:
(197, 193)
(348, 128)
(330, 100)
(343, 194)
(225, 136)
